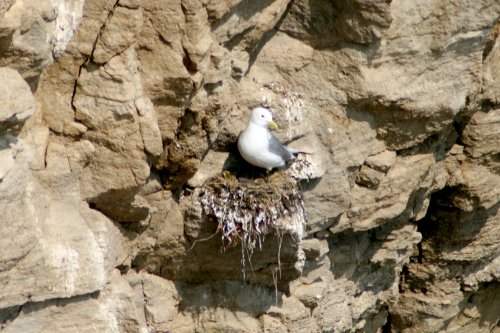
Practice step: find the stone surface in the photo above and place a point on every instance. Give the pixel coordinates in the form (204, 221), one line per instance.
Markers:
(33, 35)
(369, 177)
(16, 99)
(55, 240)
(481, 135)
(49, 228)
(381, 162)
(212, 164)
(9, 147)
(112, 310)
(127, 107)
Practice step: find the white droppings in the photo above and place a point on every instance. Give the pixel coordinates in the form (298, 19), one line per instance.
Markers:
(69, 16)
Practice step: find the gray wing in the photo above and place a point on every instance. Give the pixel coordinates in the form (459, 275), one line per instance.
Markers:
(276, 147)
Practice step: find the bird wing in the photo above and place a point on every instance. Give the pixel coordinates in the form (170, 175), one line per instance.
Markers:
(276, 147)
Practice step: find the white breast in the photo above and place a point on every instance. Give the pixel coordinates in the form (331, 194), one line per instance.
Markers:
(253, 145)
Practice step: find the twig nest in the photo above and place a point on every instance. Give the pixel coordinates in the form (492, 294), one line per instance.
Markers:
(247, 210)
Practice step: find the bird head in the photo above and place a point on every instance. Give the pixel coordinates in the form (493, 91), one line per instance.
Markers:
(263, 117)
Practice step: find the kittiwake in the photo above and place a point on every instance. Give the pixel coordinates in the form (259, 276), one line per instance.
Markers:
(259, 147)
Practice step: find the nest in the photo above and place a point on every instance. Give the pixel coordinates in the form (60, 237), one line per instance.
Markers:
(247, 211)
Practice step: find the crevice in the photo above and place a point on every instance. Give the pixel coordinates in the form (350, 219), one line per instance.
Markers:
(146, 299)
(89, 58)
(245, 13)
(73, 107)
(33, 306)
(188, 63)
(236, 39)
(403, 277)
(9, 314)
(463, 117)
(125, 5)
(47, 150)
(420, 256)
(266, 37)
(101, 30)
(387, 327)
(158, 33)
(491, 41)
(137, 183)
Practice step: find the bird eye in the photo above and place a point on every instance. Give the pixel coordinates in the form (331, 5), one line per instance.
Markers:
(262, 115)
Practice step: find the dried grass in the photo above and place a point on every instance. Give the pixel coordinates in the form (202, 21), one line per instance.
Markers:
(248, 210)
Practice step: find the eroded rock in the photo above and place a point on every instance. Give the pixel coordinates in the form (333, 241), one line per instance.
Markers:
(112, 310)
(395, 103)
(33, 35)
(16, 99)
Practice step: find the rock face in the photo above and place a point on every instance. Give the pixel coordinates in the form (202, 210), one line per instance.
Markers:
(114, 114)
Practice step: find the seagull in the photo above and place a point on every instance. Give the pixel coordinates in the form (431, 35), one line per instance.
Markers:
(259, 147)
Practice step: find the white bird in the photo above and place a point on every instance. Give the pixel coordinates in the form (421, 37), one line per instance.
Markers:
(258, 146)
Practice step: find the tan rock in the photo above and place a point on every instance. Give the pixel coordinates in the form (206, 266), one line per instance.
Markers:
(217, 9)
(463, 214)
(55, 245)
(311, 294)
(9, 146)
(37, 136)
(7, 162)
(481, 186)
(57, 159)
(119, 32)
(491, 67)
(220, 319)
(55, 94)
(212, 164)
(108, 92)
(381, 162)
(271, 324)
(109, 170)
(162, 300)
(57, 84)
(369, 177)
(37, 33)
(255, 25)
(295, 315)
(74, 128)
(359, 22)
(394, 194)
(481, 135)
(112, 311)
(16, 99)
(196, 39)
(183, 323)
(166, 80)
(5, 6)
(147, 96)
(340, 315)
(148, 123)
(79, 154)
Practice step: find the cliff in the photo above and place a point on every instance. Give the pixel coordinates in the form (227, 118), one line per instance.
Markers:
(117, 115)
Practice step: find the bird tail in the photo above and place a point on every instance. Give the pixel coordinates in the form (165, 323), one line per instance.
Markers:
(295, 152)
(295, 138)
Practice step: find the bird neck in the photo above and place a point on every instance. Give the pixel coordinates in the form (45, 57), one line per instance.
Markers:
(255, 127)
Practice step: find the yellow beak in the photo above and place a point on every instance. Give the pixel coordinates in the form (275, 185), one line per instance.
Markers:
(272, 125)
